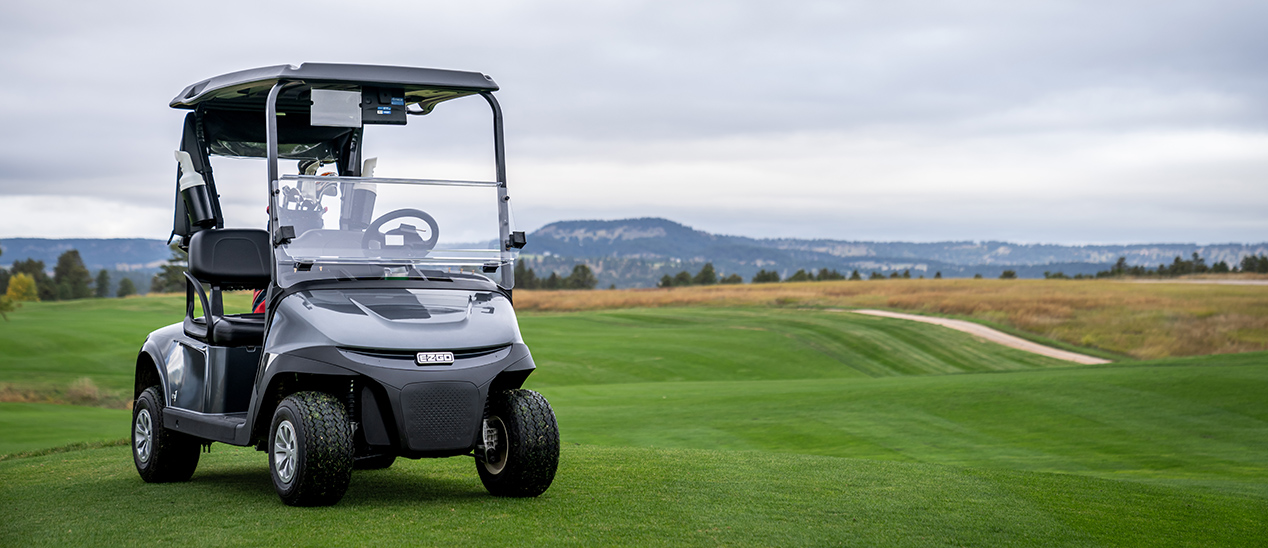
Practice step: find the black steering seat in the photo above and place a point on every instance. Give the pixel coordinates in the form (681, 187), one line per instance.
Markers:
(226, 259)
(413, 244)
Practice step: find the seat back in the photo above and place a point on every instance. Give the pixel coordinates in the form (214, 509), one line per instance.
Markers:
(230, 258)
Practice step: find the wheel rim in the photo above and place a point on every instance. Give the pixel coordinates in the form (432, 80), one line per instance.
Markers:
(143, 435)
(284, 451)
(501, 445)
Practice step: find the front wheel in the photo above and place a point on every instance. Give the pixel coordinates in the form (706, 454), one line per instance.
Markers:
(520, 452)
(160, 455)
(310, 449)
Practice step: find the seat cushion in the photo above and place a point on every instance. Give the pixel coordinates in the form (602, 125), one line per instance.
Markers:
(238, 330)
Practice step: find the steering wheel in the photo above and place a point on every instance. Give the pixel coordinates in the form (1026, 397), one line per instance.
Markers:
(413, 242)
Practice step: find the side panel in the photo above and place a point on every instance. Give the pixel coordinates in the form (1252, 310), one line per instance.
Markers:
(186, 375)
(230, 374)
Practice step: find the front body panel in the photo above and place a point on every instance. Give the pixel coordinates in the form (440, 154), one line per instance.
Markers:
(362, 345)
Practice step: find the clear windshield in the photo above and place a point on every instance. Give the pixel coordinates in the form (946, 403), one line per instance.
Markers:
(373, 228)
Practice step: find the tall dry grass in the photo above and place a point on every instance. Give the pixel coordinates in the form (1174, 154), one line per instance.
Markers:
(1143, 320)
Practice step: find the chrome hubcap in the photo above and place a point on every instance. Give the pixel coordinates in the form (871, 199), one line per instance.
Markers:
(143, 435)
(284, 451)
(495, 445)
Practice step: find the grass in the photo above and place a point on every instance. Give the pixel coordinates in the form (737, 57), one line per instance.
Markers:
(703, 344)
(733, 425)
(33, 426)
(1145, 321)
(617, 496)
(46, 347)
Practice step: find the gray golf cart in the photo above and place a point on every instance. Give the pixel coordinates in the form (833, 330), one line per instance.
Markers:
(385, 327)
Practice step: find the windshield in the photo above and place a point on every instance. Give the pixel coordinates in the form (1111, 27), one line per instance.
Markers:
(376, 228)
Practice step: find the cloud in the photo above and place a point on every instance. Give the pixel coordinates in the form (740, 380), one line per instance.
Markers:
(811, 118)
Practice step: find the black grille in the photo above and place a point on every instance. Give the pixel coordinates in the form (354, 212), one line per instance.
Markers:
(409, 354)
(441, 416)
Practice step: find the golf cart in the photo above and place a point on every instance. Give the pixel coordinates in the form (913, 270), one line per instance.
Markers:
(382, 330)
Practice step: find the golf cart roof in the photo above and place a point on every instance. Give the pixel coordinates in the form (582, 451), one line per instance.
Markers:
(247, 89)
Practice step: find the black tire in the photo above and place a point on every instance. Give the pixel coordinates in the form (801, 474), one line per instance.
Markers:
(525, 454)
(312, 464)
(160, 455)
(374, 462)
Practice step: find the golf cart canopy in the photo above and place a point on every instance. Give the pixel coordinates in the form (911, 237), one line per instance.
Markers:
(230, 105)
(343, 222)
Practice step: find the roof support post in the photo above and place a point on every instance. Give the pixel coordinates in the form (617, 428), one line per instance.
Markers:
(504, 204)
(270, 138)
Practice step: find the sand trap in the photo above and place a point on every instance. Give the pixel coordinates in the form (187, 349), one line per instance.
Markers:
(991, 335)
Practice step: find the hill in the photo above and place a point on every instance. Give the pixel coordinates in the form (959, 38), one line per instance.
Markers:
(637, 252)
(122, 254)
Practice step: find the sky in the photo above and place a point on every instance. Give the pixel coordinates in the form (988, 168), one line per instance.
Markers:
(1071, 122)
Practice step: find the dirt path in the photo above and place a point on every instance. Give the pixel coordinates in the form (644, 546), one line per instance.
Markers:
(991, 335)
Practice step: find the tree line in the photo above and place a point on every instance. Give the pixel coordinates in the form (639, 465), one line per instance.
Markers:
(582, 277)
(1257, 264)
(27, 280)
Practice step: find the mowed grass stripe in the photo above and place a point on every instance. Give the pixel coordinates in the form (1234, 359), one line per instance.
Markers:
(51, 344)
(700, 344)
(610, 496)
(1202, 425)
(31, 426)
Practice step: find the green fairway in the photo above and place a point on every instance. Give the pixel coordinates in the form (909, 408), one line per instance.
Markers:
(1192, 425)
(31, 426)
(745, 425)
(48, 345)
(616, 496)
(716, 344)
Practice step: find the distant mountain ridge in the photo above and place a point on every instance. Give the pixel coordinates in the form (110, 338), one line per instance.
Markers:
(668, 247)
(124, 254)
(662, 238)
(637, 252)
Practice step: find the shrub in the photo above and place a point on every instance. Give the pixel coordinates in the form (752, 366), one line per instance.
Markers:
(22, 288)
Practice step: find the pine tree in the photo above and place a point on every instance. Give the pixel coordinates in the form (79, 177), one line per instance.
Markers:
(707, 275)
(581, 278)
(937, 275)
(6, 306)
(171, 278)
(665, 281)
(854, 276)
(553, 282)
(732, 279)
(102, 285)
(682, 279)
(526, 278)
(72, 278)
(907, 274)
(126, 288)
(764, 276)
(799, 276)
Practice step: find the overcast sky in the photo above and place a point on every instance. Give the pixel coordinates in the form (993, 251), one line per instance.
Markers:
(1057, 122)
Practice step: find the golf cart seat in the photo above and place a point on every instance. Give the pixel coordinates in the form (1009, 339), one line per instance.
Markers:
(226, 259)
